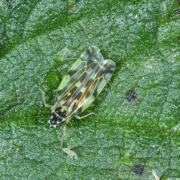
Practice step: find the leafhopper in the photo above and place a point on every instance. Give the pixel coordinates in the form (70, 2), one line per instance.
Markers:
(83, 83)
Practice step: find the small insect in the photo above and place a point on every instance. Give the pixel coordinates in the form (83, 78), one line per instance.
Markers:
(78, 89)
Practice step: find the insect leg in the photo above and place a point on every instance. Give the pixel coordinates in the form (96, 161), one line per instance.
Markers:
(55, 94)
(63, 135)
(82, 117)
(67, 150)
(44, 98)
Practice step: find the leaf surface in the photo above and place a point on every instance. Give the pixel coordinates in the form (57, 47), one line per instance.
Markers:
(136, 129)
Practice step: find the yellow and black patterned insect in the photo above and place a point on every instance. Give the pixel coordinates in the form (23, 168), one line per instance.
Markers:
(82, 84)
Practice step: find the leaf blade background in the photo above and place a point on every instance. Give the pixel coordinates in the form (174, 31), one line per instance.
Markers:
(141, 37)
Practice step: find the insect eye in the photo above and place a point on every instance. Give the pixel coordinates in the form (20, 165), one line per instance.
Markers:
(61, 112)
(58, 110)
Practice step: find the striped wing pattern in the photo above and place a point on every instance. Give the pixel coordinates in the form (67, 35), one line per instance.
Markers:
(84, 81)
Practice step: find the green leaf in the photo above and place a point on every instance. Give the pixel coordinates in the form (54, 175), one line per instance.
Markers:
(135, 134)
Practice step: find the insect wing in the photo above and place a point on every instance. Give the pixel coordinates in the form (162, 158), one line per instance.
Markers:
(78, 70)
(75, 71)
(100, 80)
(84, 81)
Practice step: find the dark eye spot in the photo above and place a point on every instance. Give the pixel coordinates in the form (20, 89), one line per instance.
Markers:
(60, 112)
(138, 169)
(131, 95)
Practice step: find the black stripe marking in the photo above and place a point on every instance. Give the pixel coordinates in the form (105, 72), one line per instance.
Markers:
(72, 72)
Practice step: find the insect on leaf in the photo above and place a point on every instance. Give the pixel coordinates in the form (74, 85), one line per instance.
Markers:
(83, 82)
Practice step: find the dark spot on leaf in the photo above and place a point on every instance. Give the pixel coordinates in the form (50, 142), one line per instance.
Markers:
(131, 95)
(176, 12)
(138, 169)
